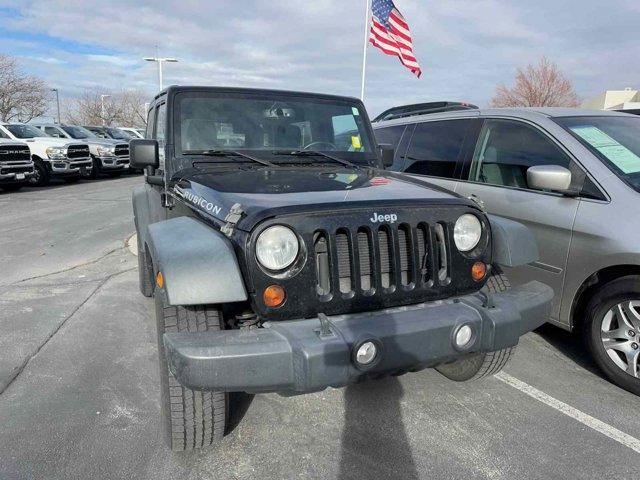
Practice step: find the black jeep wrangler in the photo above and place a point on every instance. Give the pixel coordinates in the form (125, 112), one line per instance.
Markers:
(283, 258)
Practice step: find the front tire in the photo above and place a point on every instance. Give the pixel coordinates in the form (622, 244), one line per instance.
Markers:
(191, 419)
(41, 177)
(478, 366)
(612, 331)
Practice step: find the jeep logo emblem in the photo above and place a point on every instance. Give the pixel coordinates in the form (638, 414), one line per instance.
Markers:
(377, 218)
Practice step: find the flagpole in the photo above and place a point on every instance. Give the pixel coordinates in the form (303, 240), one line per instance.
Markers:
(364, 50)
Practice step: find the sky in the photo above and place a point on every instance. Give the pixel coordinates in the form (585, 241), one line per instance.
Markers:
(465, 47)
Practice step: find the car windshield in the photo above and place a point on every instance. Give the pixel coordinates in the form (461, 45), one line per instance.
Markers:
(614, 139)
(119, 134)
(78, 132)
(274, 126)
(25, 131)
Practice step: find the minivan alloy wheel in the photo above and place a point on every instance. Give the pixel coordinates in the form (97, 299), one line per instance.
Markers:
(620, 335)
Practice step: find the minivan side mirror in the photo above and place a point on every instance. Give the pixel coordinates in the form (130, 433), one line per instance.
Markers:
(143, 153)
(387, 153)
(549, 177)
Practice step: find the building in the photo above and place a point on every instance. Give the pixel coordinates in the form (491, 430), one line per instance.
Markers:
(627, 99)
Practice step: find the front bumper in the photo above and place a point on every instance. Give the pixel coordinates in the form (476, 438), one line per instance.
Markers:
(71, 166)
(114, 163)
(294, 357)
(15, 175)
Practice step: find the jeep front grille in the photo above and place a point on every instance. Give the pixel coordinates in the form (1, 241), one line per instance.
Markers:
(78, 151)
(380, 259)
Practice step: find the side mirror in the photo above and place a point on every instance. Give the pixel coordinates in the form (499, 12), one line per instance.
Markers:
(549, 177)
(144, 153)
(387, 152)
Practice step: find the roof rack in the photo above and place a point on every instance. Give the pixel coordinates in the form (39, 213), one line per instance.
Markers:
(423, 109)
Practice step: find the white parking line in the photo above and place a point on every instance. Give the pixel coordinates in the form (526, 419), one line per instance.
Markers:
(598, 425)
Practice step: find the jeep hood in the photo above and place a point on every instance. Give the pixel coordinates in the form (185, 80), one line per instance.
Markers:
(271, 192)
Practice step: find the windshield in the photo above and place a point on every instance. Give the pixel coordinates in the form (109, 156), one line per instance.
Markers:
(119, 134)
(78, 132)
(273, 125)
(615, 140)
(25, 131)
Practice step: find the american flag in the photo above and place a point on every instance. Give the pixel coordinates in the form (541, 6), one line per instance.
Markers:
(390, 33)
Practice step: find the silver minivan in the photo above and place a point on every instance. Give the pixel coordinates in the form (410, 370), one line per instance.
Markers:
(573, 177)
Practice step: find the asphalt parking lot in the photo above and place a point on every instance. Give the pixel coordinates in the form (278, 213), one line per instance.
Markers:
(79, 390)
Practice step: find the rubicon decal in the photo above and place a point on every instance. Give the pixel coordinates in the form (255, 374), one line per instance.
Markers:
(198, 201)
(390, 218)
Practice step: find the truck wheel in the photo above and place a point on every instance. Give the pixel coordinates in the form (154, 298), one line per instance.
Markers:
(41, 175)
(145, 271)
(192, 419)
(612, 331)
(498, 282)
(95, 168)
(476, 366)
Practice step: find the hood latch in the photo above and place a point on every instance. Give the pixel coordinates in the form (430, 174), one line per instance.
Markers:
(234, 216)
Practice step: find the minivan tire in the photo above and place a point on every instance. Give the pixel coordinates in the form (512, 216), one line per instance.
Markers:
(191, 419)
(607, 297)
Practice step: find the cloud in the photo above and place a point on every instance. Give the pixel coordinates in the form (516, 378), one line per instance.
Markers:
(465, 47)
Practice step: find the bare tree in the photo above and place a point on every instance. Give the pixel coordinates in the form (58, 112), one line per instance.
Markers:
(22, 97)
(125, 108)
(541, 85)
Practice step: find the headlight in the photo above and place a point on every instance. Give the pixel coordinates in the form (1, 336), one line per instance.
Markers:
(56, 153)
(277, 247)
(467, 232)
(106, 151)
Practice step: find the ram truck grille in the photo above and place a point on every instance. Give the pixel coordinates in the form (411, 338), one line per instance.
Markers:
(77, 151)
(14, 153)
(122, 150)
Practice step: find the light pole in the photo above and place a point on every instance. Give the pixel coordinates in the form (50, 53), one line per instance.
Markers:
(102, 114)
(57, 103)
(159, 61)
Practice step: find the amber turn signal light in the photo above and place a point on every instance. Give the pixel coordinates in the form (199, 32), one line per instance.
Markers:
(160, 280)
(273, 296)
(478, 271)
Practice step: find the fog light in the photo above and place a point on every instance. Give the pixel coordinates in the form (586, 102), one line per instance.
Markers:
(463, 337)
(366, 353)
(273, 296)
(478, 271)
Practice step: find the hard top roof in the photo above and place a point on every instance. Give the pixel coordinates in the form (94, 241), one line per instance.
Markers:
(173, 89)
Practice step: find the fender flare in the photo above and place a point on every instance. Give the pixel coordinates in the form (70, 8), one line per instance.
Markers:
(513, 243)
(198, 263)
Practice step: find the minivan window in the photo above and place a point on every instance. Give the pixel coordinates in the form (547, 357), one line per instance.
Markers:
(615, 140)
(506, 149)
(435, 148)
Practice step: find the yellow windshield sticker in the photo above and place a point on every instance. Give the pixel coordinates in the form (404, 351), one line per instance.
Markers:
(355, 142)
(618, 154)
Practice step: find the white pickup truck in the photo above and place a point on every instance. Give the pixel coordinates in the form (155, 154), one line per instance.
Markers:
(16, 166)
(51, 156)
(109, 156)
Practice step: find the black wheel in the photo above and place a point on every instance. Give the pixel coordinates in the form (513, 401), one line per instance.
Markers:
(95, 168)
(145, 271)
(41, 175)
(497, 282)
(612, 331)
(192, 419)
(477, 366)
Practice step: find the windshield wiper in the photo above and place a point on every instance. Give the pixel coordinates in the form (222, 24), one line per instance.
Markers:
(315, 153)
(228, 153)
